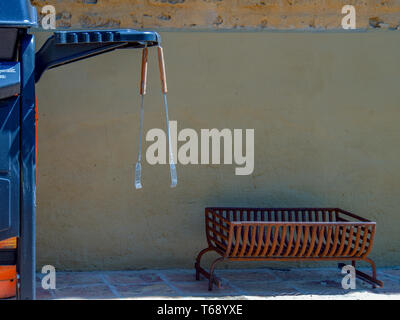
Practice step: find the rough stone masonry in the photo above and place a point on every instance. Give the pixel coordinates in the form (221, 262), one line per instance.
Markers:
(222, 14)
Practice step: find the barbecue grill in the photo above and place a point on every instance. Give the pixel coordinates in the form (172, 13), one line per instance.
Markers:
(20, 69)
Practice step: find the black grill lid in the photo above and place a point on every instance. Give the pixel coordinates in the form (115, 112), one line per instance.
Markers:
(17, 13)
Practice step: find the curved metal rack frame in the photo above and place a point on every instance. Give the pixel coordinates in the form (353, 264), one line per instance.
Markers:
(287, 234)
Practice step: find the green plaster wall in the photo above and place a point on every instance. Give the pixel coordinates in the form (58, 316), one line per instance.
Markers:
(324, 106)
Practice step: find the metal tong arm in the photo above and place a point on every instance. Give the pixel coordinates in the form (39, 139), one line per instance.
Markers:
(143, 82)
(164, 90)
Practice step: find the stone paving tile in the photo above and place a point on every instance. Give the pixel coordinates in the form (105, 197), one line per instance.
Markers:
(395, 272)
(181, 276)
(42, 294)
(246, 275)
(307, 274)
(391, 284)
(67, 279)
(325, 287)
(266, 288)
(131, 277)
(389, 287)
(85, 292)
(200, 288)
(145, 290)
(237, 284)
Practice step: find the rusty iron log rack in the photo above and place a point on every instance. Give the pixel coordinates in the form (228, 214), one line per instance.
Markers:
(287, 234)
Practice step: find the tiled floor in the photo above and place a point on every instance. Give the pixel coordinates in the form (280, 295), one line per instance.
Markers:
(237, 284)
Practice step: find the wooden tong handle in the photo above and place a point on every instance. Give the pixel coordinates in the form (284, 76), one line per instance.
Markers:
(143, 80)
(161, 65)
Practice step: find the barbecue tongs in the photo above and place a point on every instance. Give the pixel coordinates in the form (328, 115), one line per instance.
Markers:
(143, 83)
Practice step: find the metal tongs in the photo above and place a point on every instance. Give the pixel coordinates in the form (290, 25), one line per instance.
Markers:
(164, 90)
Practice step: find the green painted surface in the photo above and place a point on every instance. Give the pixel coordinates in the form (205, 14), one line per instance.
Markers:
(324, 106)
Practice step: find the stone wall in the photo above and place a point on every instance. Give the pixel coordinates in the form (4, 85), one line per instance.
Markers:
(222, 14)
